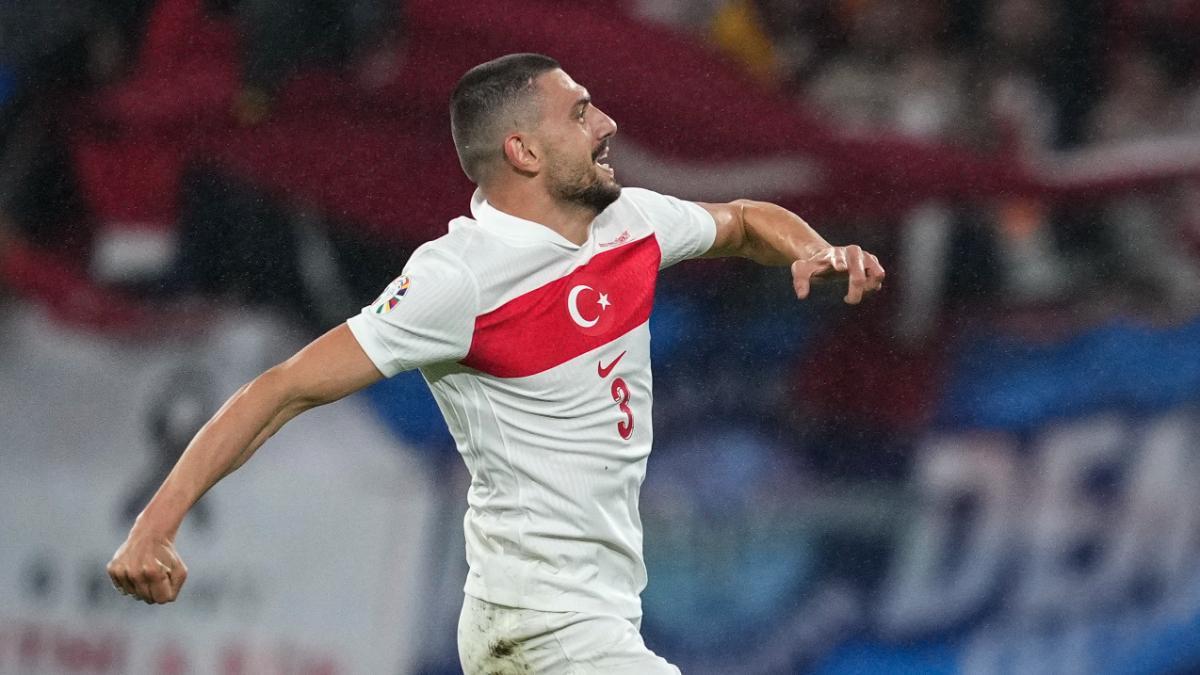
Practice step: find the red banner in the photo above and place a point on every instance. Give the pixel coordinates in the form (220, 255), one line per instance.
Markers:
(691, 125)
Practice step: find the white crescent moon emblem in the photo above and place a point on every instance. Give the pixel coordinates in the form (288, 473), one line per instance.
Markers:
(573, 308)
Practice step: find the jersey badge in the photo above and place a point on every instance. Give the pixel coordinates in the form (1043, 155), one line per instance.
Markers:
(391, 295)
(590, 309)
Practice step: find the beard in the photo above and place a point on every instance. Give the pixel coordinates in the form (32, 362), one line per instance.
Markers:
(584, 186)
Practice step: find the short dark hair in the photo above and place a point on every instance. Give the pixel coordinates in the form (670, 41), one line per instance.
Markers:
(482, 97)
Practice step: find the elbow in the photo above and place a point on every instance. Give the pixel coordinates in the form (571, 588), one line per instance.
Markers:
(748, 215)
(734, 226)
(742, 212)
(745, 206)
(751, 215)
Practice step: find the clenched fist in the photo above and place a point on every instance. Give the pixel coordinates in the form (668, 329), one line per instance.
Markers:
(148, 568)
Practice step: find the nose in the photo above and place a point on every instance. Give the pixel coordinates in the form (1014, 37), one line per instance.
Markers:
(607, 126)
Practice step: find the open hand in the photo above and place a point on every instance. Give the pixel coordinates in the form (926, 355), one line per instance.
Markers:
(148, 568)
(860, 267)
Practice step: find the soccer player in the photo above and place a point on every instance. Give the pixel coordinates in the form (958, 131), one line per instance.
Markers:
(529, 322)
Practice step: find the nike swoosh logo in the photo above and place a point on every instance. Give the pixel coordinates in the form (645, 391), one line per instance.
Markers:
(602, 371)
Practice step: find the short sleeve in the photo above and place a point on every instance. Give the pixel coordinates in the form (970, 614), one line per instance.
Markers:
(425, 316)
(683, 229)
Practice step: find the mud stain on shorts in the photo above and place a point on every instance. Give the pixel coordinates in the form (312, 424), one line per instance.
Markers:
(502, 648)
(504, 658)
(492, 652)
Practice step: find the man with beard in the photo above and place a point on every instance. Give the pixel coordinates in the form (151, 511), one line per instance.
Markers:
(529, 321)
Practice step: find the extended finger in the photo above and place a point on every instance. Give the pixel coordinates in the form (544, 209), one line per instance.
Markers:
(857, 274)
(875, 271)
(802, 272)
(806, 269)
(838, 259)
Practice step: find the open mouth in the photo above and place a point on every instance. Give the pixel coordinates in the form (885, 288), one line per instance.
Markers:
(601, 158)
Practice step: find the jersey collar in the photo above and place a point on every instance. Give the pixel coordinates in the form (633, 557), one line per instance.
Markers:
(508, 226)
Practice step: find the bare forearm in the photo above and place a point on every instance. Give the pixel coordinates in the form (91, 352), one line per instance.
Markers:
(772, 235)
(332, 366)
(775, 236)
(226, 442)
(147, 566)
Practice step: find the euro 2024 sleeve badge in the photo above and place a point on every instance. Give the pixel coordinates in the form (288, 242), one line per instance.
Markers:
(391, 295)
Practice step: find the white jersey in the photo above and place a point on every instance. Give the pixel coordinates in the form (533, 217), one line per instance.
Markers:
(537, 351)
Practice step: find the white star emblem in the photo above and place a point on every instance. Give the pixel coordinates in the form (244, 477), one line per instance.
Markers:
(603, 301)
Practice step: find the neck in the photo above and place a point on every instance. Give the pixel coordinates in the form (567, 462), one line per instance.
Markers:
(571, 221)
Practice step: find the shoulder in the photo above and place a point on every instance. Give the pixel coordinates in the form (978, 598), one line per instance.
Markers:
(452, 250)
(683, 229)
(445, 260)
(655, 205)
(660, 211)
(456, 243)
(641, 198)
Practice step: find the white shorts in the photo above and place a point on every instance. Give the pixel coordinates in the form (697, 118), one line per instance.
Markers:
(498, 640)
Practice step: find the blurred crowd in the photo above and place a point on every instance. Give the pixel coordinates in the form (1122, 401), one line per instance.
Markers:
(1028, 76)
(55, 53)
(1028, 79)
(1054, 74)
(91, 43)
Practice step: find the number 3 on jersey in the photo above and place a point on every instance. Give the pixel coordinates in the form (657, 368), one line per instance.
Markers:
(620, 394)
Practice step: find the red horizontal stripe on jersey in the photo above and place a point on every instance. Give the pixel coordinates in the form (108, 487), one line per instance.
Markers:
(537, 331)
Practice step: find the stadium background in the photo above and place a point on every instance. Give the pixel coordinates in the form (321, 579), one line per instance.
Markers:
(991, 467)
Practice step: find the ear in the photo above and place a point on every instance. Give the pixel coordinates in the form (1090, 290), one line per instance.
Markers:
(522, 154)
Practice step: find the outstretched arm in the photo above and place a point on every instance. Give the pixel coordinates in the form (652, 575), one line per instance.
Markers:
(772, 235)
(146, 566)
